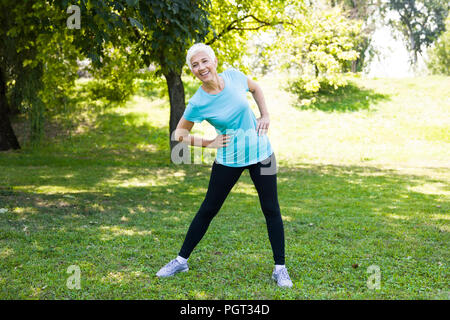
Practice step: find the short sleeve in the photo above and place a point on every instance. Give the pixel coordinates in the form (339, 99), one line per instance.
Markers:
(191, 113)
(239, 78)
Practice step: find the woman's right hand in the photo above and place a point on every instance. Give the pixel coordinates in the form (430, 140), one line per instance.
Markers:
(222, 140)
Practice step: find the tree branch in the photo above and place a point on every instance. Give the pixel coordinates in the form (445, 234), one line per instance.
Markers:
(232, 26)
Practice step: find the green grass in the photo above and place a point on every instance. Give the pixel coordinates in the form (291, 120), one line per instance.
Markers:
(364, 184)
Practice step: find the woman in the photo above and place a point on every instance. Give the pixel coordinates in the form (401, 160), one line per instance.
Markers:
(242, 144)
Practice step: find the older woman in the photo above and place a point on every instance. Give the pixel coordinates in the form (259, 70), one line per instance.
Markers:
(241, 144)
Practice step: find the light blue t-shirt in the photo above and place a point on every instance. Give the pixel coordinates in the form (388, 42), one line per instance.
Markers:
(229, 113)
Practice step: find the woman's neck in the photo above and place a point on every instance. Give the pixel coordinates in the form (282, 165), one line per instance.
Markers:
(214, 85)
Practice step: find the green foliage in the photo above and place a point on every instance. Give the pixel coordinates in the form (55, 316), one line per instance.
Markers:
(152, 86)
(60, 71)
(39, 53)
(114, 80)
(234, 22)
(439, 56)
(164, 30)
(350, 97)
(420, 22)
(320, 48)
(102, 23)
(361, 10)
(31, 54)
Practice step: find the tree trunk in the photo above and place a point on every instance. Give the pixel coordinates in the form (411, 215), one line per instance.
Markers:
(413, 45)
(177, 102)
(414, 50)
(8, 139)
(354, 65)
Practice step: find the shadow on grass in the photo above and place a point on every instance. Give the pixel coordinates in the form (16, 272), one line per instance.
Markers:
(345, 99)
(109, 201)
(135, 219)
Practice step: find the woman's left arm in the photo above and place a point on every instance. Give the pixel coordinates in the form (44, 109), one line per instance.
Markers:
(264, 120)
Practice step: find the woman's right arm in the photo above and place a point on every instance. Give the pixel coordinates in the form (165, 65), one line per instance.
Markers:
(182, 133)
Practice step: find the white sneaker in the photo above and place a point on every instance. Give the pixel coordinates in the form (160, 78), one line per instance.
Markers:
(282, 278)
(172, 268)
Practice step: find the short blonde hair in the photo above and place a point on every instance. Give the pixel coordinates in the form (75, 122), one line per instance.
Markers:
(197, 48)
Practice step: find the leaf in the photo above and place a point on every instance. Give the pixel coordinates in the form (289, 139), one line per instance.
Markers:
(136, 24)
(27, 62)
(132, 3)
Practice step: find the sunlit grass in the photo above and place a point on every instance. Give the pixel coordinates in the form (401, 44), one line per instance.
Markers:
(357, 186)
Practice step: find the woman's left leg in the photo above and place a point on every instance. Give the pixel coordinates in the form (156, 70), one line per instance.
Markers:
(264, 177)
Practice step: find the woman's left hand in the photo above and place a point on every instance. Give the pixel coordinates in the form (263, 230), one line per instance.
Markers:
(262, 125)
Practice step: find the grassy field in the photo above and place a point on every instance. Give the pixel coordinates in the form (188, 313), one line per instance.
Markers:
(363, 181)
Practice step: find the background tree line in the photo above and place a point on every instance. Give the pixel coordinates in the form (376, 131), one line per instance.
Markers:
(318, 41)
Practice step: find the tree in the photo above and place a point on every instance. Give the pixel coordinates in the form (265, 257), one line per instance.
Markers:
(439, 62)
(23, 25)
(165, 30)
(8, 139)
(162, 30)
(35, 42)
(419, 21)
(359, 10)
(356, 9)
(318, 46)
(232, 23)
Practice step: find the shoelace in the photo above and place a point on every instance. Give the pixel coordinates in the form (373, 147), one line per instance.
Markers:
(283, 275)
(171, 264)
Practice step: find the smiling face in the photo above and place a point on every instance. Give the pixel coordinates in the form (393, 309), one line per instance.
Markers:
(203, 66)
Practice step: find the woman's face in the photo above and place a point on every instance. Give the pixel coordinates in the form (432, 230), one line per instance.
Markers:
(203, 67)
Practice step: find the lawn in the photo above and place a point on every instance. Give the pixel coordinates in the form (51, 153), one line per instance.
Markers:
(363, 183)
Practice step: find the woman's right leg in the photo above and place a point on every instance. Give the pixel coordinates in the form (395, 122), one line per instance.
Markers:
(222, 180)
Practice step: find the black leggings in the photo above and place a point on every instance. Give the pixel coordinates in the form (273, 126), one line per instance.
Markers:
(223, 178)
